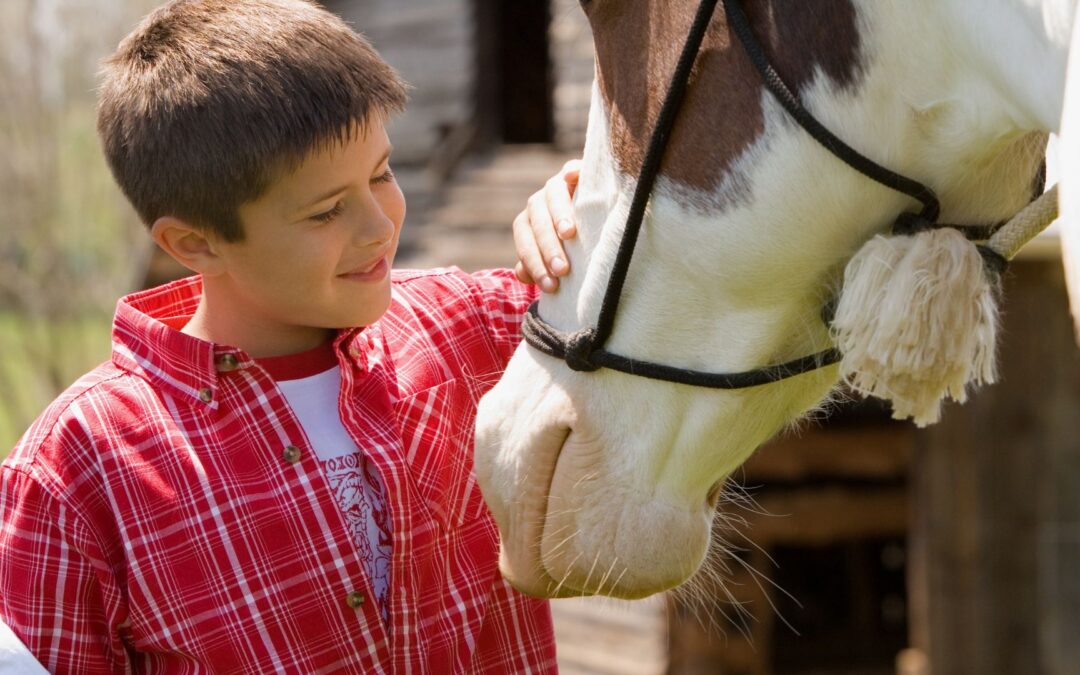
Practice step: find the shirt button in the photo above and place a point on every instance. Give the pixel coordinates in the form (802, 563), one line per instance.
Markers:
(227, 363)
(206, 395)
(291, 454)
(355, 600)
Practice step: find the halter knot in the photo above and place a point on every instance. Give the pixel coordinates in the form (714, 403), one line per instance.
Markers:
(995, 263)
(579, 349)
(909, 223)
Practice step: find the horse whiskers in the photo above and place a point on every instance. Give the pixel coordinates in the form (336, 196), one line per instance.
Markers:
(556, 547)
(757, 547)
(730, 522)
(603, 580)
(615, 584)
(703, 607)
(699, 596)
(618, 579)
(588, 476)
(716, 570)
(745, 504)
(569, 569)
(588, 577)
(731, 549)
(758, 577)
(740, 497)
(745, 501)
(568, 511)
(715, 577)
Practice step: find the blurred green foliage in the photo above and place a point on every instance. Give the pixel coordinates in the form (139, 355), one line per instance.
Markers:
(69, 243)
(40, 358)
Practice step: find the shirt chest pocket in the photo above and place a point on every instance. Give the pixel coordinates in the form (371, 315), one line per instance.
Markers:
(436, 427)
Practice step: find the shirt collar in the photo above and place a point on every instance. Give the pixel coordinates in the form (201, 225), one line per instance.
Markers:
(147, 341)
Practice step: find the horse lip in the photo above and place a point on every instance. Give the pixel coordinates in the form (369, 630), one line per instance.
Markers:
(537, 580)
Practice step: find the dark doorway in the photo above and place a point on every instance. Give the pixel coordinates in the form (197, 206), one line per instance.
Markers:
(850, 611)
(514, 84)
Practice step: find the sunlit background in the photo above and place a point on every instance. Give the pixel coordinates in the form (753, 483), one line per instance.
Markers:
(69, 244)
(867, 549)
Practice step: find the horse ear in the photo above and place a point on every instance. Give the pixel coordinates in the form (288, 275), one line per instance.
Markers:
(1069, 166)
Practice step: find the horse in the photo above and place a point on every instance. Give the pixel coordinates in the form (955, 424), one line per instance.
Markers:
(605, 483)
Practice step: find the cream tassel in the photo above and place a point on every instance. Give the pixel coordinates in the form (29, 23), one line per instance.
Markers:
(917, 318)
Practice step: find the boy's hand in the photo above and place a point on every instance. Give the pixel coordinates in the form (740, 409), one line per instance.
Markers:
(541, 228)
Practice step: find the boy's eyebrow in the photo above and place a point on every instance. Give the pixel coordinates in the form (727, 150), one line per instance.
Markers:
(330, 193)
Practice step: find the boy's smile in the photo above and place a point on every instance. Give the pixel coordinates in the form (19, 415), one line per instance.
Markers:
(315, 256)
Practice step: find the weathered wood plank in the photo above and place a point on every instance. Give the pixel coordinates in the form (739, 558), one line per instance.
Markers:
(819, 516)
(997, 538)
(882, 452)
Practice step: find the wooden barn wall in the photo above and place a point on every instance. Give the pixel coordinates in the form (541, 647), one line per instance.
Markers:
(572, 60)
(430, 42)
(995, 587)
(433, 43)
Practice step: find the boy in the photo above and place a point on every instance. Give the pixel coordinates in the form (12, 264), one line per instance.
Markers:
(273, 473)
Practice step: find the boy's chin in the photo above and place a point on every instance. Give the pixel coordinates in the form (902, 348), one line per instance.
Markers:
(369, 310)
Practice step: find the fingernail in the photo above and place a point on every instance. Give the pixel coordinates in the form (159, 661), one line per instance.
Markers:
(565, 228)
(558, 265)
(547, 284)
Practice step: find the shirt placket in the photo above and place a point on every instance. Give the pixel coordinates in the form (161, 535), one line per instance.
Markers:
(356, 593)
(367, 381)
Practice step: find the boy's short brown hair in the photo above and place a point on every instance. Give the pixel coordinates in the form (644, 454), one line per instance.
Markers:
(207, 102)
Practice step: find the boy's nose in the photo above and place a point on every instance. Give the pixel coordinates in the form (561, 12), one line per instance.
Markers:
(374, 227)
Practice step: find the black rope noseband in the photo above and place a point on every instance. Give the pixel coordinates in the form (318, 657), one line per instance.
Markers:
(584, 350)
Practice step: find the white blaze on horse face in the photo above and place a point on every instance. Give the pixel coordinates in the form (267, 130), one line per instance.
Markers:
(601, 482)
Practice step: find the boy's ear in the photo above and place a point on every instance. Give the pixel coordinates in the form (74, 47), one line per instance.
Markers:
(188, 245)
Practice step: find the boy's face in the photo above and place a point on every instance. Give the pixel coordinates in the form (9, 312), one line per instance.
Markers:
(318, 245)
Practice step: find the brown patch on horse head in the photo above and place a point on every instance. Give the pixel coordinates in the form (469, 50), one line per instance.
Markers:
(638, 43)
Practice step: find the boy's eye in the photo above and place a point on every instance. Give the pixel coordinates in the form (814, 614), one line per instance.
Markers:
(384, 178)
(331, 214)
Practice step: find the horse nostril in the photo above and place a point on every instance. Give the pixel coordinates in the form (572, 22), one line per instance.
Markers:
(713, 496)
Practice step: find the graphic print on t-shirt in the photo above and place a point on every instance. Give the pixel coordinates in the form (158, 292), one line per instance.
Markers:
(358, 492)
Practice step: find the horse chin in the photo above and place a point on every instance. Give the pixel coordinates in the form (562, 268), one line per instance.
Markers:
(589, 531)
(625, 546)
(626, 550)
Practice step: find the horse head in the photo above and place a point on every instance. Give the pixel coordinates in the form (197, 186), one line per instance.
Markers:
(606, 483)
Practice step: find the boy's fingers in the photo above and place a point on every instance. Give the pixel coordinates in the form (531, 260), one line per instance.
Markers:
(571, 173)
(542, 219)
(531, 267)
(522, 274)
(561, 203)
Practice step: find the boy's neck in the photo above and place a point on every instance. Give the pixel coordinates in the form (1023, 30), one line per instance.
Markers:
(216, 322)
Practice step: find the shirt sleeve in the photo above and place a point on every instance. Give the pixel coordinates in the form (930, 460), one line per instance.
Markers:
(502, 301)
(56, 595)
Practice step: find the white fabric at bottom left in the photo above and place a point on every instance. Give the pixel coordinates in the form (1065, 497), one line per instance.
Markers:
(15, 658)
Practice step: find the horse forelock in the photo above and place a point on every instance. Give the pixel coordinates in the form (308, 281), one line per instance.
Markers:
(638, 44)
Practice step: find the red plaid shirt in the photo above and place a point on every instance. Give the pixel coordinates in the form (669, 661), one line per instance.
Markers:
(158, 517)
